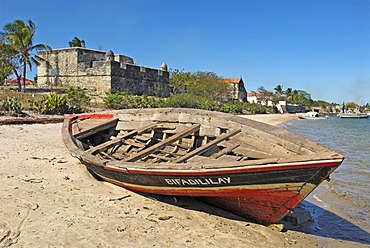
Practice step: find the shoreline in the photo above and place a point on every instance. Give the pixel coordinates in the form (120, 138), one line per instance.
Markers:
(49, 199)
(271, 119)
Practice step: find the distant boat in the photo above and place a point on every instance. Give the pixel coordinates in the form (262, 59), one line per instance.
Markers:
(350, 114)
(246, 167)
(312, 115)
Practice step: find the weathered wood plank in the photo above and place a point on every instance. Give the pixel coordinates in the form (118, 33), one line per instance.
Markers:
(302, 158)
(224, 151)
(95, 129)
(133, 125)
(207, 146)
(163, 143)
(134, 143)
(117, 141)
(160, 157)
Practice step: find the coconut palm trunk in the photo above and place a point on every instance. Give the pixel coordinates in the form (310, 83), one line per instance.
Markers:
(24, 77)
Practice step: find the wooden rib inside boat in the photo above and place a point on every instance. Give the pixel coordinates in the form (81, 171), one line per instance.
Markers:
(252, 169)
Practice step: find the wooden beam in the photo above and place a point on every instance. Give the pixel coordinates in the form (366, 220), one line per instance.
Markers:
(96, 129)
(224, 151)
(207, 146)
(163, 143)
(117, 141)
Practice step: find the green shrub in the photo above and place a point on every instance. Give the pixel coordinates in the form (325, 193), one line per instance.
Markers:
(12, 105)
(125, 100)
(71, 102)
(52, 104)
(237, 107)
(76, 99)
(184, 100)
(115, 100)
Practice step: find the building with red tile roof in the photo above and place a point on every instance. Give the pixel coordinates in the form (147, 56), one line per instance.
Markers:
(237, 89)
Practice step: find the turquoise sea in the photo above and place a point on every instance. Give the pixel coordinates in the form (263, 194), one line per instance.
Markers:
(341, 207)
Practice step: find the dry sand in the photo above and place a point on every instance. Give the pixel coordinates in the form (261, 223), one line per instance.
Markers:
(48, 199)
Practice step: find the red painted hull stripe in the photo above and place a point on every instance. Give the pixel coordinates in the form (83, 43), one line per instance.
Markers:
(273, 167)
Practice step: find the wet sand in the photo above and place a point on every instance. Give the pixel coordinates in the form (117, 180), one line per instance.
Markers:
(48, 199)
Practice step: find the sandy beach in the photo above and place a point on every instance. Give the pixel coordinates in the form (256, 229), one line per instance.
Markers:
(48, 199)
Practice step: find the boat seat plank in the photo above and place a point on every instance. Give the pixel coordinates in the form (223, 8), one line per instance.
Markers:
(224, 151)
(86, 132)
(207, 146)
(164, 143)
(117, 141)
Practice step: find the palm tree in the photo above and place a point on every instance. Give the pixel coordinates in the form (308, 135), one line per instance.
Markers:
(288, 93)
(20, 36)
(279, 89)
(278, 93)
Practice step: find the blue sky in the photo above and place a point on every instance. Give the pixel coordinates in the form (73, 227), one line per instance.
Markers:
(320, 46)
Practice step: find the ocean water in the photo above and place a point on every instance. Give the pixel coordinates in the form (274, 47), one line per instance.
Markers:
(345, 200)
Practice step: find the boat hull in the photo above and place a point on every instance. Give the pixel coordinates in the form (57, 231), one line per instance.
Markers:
(353, 115)
(263, 194)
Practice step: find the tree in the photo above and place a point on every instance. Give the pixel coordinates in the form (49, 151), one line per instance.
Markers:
(76, 42)
(351, 105)
(9, 62)
(288, 93)
(180, 78)
(301, 97)
(278, 94)
(20, 36)
(264, 95)
(320, 103)
(208, 85)
(202, 83)
(279, 89)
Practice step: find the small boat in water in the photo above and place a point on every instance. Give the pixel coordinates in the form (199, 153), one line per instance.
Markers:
(246, 167)
(350, 114)
(311, 115)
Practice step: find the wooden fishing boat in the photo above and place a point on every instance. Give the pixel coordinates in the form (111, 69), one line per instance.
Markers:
(249, 168)
(312, 115)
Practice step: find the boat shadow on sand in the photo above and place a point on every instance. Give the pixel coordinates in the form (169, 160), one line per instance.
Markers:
(327, 224)
(323, 224)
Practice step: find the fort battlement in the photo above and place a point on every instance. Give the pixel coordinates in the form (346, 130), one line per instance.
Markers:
(101, 72)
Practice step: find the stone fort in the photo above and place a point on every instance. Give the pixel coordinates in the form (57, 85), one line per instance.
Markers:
(101, 72)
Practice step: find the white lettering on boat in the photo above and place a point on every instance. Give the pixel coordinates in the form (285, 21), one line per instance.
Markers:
(198, 181)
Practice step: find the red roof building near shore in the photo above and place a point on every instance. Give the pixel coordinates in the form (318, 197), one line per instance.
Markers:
(237, 89)
(262, 98)
(15, 81)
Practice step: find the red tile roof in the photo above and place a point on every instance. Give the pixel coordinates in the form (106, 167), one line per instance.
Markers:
(231, 80)
(259, 94)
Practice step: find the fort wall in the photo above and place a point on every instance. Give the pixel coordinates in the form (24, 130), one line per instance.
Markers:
(100, 72)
